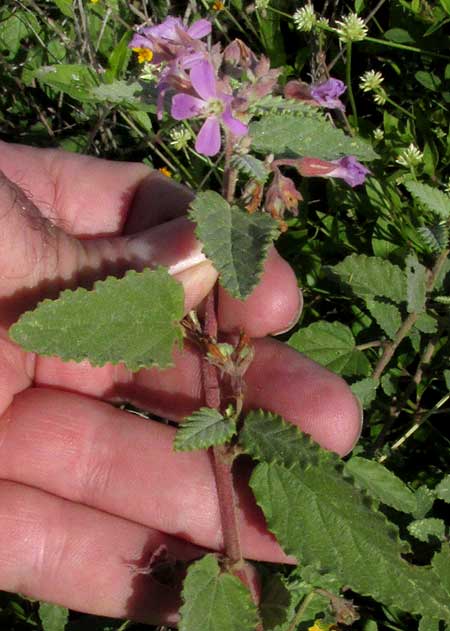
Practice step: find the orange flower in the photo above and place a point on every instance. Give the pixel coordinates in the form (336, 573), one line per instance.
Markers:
(144, 54)
(218, 6)
(165, 171)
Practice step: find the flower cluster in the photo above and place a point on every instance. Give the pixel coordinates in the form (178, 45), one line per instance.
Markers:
(195, 80)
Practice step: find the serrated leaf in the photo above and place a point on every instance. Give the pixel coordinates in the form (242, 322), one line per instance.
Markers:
(416, 284)
(428, 624)
(298, 136)
(215, 601)
(53, 617)
(235, 241)
(432, 198)
(426, 323)
(370, 276)
(427, 529)
(442, 490)
(134, 320)
(441, 566)
(331, 344)
(381, 484)
(251, 166)
(436, 236)
(204, 428)
(279, 105)
(386, 315)
(319, 516)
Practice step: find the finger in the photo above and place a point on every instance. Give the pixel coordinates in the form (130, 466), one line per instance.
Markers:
(279, 379)
(92, 454)
(38, 259)
(58, 551)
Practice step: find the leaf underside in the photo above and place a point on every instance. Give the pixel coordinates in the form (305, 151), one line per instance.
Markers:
(235, 241)
(215, 601)
(319, 516)
(134, 320)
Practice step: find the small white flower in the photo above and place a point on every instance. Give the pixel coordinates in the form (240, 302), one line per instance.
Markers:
(261, 5)
(410, 157)
(370, 81)
(305, 18)
(181, 137)
(380, 97)
(378, 134)
(351, 28)
(150, 72)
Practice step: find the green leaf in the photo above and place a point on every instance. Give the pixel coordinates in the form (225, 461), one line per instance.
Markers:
(387, 316)
(119, 59)
(65, 6)
(251, 166)
(15, 28)
(331, 344)
(298, 136)
(215, 601)
(442, 490)
(134, 319)
(441, 566)
(76, 80)
(265, 435)
(118, 92)
(416, 284)
(319, 516)
(399, 35)
(435, 236)
(427, 529)
(365, 390)
(432, 198)
(235, 241)
(429, 80)
(370, 276)
(425, 499)
(428, 624)
(275, 602)
(381, 484)
(426, 323)
(204, 428)
(53, 617)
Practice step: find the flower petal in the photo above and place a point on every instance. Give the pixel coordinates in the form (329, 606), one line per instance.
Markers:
(208, 140)
(237, 127)
(203, 79)
(199, 29)
(139, 41)
(186, 106)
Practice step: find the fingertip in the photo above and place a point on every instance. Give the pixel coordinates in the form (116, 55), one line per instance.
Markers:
(273, 307)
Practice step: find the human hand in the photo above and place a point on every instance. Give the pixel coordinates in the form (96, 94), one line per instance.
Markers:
(87, 489)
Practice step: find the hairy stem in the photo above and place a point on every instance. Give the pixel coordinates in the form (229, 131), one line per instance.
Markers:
(299, 615)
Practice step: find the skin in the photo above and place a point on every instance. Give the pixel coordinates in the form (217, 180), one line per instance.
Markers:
(87, 491)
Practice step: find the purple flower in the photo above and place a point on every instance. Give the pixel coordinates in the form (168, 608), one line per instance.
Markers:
(170, 38)
(348, 168)
(327, 94)
(210, 103)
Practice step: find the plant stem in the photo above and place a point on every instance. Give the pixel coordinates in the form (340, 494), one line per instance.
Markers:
(348, 75)
(222, 456)
(229, 174)
(299, 615)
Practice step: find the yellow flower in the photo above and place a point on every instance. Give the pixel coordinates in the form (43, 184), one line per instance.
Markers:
(144, 54)
(93, 1)
(165, 171)
(320, 626)
(218, 6)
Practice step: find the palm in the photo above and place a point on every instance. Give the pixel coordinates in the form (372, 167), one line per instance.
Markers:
(86, 488)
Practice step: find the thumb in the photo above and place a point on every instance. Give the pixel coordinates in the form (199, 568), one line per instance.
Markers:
(38, 259)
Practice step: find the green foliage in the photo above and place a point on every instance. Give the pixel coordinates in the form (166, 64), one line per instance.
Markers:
(135, 320)
(432, 198)
(318, 515)
(332, 345)
(427, 529)
(215, 600)
(204, 428)
(296, 136)
(53, 617)
(366, 276)
(443, 489)
(235, 241)
(416, 283)
(251, 166)
(381, 484)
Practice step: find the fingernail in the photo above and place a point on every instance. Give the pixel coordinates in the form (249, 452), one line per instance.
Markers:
(294, 320)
